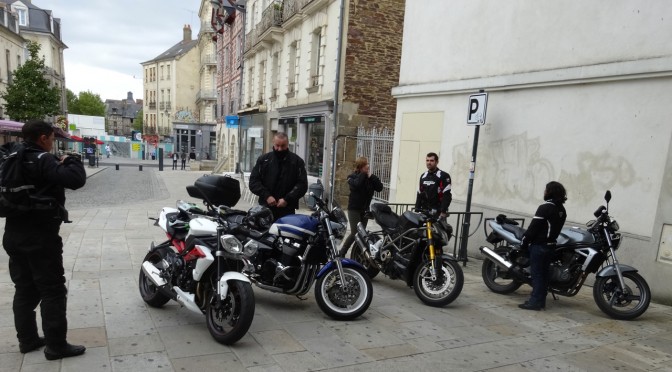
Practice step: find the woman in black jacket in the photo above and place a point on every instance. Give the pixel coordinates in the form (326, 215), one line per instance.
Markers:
(362, 186)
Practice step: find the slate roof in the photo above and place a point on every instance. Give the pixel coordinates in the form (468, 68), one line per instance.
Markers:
(175, 51)
(38, 19)
(125, 108)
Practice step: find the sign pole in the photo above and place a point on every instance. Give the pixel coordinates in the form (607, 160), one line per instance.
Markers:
(476, 115)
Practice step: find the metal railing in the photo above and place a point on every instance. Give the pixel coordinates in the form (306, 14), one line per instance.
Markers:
(208, 59)
(377, 145)
(458, 230)
(206, 94)
(270, 17)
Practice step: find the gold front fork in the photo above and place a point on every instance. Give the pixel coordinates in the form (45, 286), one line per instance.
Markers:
(431, 242)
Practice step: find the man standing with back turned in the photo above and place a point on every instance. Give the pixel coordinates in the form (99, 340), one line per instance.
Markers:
(279, 178)
(434, 188)
(35, 248)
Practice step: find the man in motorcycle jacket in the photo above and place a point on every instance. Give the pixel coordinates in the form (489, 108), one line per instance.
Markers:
(541, 237)
(35, 248)
(434, 188)
(279, 178)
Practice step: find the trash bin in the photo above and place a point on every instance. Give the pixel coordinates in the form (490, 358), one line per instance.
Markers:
(317, 189)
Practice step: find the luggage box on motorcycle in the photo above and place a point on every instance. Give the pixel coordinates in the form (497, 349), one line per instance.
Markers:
(219, 190)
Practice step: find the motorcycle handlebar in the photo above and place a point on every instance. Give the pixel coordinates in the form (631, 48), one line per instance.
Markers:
(600, 211)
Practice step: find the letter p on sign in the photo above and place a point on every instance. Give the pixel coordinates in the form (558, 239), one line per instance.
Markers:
(477, 106)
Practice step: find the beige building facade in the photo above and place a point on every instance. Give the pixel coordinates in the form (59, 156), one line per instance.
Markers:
(170, 84)
(14, 47)
(578, 91)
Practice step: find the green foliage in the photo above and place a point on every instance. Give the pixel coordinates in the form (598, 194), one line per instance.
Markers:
(87, 103)
(30, 95)
(71, 99)
(137, 123)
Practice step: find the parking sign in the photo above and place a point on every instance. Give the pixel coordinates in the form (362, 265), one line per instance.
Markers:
(477, 106)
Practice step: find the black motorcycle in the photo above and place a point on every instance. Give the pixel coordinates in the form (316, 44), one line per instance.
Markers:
(619, 290)
(410, 247)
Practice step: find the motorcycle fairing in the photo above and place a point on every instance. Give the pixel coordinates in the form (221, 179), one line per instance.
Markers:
(202, 263)
(297, 226)
(163, 217)
(223, 285)
(346, 262)
(202, 226)
(575, 235)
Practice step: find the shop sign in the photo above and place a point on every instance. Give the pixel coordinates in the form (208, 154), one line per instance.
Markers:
(310, 119)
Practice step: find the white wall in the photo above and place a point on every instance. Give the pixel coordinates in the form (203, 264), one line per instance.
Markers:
(579, 92)
(87, 125)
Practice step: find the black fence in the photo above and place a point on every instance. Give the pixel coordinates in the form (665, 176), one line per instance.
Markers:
(461, 232)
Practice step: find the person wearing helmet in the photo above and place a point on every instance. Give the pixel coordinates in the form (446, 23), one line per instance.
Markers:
(279, 178)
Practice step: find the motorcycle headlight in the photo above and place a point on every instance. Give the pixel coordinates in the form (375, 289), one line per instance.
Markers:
(250, 248)
(339, 229)
(338, 215)
(613, 225)
(231, 244)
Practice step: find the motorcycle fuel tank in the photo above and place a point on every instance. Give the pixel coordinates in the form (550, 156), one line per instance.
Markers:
(573, 235)
(202, 227)
(297, 226)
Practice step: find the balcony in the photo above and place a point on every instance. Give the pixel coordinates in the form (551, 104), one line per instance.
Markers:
(250, 40)
(290, 7)
(270, 17)
(146, 129)
(162, 106)
(291, 90)
(209, 59)
(206, 95)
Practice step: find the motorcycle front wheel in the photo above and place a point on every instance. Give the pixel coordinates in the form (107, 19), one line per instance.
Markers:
(496, 278)
(622, 304)
(231, 318)
(344, 302)
(442, 291)
(148, 291)
(359, 256)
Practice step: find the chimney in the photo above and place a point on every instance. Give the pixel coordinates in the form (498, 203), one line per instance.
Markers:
(129, 97)
(187, 33)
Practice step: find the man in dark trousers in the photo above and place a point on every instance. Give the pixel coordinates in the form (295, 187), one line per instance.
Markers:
(183, 157)
(541, 237)
(35, 248)
(279, 178)
(434, 189)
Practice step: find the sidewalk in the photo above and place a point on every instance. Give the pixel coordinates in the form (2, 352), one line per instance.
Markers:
(479, 331)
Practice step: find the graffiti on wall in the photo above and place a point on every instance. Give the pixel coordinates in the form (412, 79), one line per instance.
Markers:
(186, 115)
(515, 168)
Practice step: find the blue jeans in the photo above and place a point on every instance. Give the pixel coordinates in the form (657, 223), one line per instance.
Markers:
(540, 260)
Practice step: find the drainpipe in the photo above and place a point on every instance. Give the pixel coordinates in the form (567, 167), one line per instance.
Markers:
(336, 105)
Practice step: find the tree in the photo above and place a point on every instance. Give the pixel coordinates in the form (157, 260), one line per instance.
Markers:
(87, 103)
(30, 95)
(137, 123)
(71, 100)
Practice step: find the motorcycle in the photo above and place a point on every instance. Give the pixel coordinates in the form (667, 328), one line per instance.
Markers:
(188, 267)
(619, 291)
(410, 247)
(291, 254)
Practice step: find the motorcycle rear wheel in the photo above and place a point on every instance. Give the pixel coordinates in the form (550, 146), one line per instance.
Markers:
(626, 305)
(148, 291)
(359, 256)
(496, 278)
(343, 304)
(442, 293)
(230, 321)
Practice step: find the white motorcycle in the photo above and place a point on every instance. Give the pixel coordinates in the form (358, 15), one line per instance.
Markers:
(188, 266)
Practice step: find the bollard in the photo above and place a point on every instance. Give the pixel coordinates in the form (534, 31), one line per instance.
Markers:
(116, 166)
(140, 167)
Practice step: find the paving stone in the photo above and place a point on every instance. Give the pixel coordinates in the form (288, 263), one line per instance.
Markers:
(95, 359)
(334, 352)
(277, 341)
(136, 344)
(297, 362)
(213, 362)
(157, 361)
(190, 340)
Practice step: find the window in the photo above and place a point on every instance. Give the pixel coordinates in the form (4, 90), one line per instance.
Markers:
(275, 75)
(262, 81)
(315, 56)
(291, 68)
(168, 71)
(23, 16)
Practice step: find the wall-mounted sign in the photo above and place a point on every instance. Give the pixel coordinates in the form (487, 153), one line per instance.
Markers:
(285, 121)
(311, 119)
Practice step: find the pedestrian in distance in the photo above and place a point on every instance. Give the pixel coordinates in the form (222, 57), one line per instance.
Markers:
(279, 178)
(183, 157)
(192, 154)
(35, 247)
(107, 150)
(540, 238)
(362, 185)
(175, 157)
(434, 189)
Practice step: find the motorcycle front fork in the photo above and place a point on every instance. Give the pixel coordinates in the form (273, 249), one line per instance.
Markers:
(435, 268)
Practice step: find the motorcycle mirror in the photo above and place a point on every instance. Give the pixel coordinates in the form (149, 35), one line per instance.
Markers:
(607, 196)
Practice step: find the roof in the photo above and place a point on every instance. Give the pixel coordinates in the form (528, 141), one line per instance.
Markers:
(123, 107)
(38, 18)
(175, 51)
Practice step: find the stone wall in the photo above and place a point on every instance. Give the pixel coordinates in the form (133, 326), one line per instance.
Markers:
(371, 70)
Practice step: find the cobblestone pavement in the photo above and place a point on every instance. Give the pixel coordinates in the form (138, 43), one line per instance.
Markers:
(480, 331)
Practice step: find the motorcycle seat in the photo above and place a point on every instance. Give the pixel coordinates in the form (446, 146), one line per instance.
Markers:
(517, 231)
(384, 216)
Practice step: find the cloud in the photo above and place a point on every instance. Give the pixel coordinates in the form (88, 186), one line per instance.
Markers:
(107, 40)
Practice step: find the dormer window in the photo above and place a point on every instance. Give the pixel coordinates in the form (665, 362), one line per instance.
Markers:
(23, 16)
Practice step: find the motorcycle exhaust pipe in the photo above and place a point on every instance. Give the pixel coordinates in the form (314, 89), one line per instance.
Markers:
(499, 260)
(152, 272)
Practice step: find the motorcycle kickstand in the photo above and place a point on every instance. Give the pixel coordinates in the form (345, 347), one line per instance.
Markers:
(301, 298)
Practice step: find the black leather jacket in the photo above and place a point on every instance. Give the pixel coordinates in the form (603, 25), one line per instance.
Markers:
(281, 178)
(546, 224)
(361, 190)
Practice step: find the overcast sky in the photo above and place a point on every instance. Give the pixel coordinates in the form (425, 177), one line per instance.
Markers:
(107, 40)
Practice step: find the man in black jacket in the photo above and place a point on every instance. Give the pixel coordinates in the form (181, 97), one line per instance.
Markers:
(36, 250)
(279, 178)
(434, 188)
(541, 238)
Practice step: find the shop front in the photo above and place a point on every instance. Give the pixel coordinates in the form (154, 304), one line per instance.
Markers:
(199, 140)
